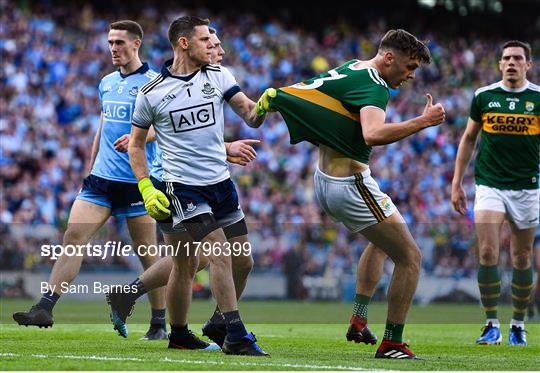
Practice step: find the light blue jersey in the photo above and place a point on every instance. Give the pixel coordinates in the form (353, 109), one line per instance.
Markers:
(156, 169)
(117, 94)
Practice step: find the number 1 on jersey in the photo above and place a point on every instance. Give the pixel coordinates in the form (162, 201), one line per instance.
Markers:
(189, 92)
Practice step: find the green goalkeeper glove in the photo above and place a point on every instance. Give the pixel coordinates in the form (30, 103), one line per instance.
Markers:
(263, 104)
(155, 201)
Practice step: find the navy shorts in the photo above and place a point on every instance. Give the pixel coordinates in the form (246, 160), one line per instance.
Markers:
(220, 200)
(124, 199)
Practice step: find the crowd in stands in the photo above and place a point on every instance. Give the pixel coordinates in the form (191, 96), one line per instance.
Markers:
(52, 62)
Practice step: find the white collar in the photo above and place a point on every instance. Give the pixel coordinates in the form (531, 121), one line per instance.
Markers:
(514, 90)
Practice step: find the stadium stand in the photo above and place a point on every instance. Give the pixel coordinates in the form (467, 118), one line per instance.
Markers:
(51, 65)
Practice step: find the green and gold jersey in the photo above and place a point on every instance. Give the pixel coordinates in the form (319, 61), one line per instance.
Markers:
(509, 151)
(325, 109)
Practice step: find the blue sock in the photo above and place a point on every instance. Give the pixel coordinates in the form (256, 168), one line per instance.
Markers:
(235, 327)
(158, 318)
(217, 317)
(48, 300)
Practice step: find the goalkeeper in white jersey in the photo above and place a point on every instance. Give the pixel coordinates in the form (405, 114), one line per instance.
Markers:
(185, 106)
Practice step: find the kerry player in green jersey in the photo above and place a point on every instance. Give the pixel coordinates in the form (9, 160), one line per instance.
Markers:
(343, 112)
(506, 113)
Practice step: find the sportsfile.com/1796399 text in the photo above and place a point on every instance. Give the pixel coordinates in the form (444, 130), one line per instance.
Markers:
(117, 248)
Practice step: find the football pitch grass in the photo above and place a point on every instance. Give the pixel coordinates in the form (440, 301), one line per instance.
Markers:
(298, 335)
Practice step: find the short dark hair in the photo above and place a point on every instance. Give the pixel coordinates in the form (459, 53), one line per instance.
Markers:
(185, 27)
(406, 43)
(130, 26)
(521, 44)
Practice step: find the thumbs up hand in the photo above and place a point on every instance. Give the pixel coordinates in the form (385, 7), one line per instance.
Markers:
(433, 114)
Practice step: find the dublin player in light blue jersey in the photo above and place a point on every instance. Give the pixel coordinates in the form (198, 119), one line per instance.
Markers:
(111, 188)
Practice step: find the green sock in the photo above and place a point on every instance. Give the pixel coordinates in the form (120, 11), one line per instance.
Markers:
(489, 283)
(394, 332)
(360, 307)
(522, 283)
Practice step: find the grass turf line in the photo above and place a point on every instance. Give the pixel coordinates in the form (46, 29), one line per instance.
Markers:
(293, 346)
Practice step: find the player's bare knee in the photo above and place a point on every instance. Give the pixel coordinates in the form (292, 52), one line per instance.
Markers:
(186, 265)
(521, 260)
(220, 260)
(74, 235)
(416, 257)
(411, 257)
(243, 264)
(488, 255)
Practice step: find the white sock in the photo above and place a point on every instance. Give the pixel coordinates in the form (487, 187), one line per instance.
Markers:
(494, 322)
(519, 324)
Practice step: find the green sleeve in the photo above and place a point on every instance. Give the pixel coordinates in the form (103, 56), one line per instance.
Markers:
(371, 95)
(476, 113)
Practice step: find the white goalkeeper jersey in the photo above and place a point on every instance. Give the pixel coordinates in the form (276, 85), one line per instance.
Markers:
(187, 114)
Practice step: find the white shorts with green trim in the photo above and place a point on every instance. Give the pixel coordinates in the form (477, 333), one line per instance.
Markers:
(356, 201)
(520, 206)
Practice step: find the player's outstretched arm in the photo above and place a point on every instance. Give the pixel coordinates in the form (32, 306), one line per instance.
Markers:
(246, 109)
(466, 147)
(241, 152)
(376, 132)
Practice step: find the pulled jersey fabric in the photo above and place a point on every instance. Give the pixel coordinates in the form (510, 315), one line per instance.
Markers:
(325, 109)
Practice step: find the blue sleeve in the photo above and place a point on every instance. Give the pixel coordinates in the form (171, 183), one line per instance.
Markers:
(100, 93)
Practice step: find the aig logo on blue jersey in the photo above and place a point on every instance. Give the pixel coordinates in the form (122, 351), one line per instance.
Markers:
(193, 118)
(117, 111)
